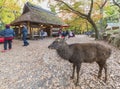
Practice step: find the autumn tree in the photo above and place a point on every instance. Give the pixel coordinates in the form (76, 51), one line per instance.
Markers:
(9, 10)
(101, 4)
(117, 3)
(87, 16)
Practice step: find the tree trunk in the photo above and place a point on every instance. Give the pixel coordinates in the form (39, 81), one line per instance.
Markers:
(101, 20)
(95, 27)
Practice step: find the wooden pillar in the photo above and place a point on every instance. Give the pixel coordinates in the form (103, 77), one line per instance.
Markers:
(28, 26)
(19, 29)
(19, 32)
(32, 34)
(50, 32)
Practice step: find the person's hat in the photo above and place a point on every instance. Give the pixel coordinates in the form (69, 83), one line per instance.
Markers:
(7, 25)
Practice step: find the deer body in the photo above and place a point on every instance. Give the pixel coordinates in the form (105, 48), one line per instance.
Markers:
(82, 53)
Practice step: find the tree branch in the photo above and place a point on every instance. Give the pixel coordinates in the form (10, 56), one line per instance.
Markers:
(103, 4)
(73, 10)
(117, 4)
(90, 11)
(97, 4)
(74, 20)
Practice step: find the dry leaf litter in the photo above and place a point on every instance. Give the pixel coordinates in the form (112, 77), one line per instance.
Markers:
(37, 67)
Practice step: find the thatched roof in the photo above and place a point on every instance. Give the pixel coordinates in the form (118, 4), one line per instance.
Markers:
(37, 14)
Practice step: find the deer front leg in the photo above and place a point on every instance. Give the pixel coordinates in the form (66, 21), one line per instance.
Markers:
(105, 67)
(100, 69)
(72, 77)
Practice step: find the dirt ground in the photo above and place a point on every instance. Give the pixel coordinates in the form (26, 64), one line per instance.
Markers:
(37, 67)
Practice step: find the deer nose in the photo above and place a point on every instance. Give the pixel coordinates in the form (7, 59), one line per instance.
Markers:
(48, 46)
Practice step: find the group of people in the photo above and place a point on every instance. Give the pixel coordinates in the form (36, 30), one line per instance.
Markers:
(66, 33)
(8, 34)
(43, 34)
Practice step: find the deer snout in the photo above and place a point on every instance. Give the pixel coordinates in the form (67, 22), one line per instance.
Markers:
(49, 46)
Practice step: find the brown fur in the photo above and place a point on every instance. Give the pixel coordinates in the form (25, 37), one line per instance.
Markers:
(83, 53)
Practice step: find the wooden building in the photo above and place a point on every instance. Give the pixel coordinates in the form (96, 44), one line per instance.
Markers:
(112, 26)
(36, 18)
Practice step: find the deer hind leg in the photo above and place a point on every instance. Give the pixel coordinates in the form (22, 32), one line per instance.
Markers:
(78, 70)
(72, 77)
(105, 68)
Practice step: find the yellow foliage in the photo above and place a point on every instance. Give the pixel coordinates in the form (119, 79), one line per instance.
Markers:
(8, 7)
(11, 4)
(97, 17)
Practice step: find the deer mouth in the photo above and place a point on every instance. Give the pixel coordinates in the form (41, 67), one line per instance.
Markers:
(50, 47)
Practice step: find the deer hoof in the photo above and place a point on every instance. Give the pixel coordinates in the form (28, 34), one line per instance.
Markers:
(76, 84)
(99, 76)
(71, 77)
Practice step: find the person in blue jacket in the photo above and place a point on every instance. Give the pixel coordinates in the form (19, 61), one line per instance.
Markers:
(24, 35)
(8, 35)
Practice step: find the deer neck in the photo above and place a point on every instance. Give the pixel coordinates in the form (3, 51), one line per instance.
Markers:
(64, 52)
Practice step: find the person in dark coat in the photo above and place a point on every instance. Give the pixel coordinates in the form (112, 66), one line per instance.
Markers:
(24, 35)
(41, 34)
(8, 35)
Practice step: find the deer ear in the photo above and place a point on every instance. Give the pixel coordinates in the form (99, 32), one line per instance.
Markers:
(58, 39)
(65, 38)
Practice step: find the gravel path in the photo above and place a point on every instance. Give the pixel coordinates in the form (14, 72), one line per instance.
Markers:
(37, 67)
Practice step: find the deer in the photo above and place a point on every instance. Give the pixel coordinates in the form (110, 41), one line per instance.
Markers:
(79, 53)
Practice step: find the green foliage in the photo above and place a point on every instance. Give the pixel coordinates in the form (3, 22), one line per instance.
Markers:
(77, 5)
(1, 26)
(117, 3)
(52, 7)
(111, 10)
(112, 31)
(64, 7)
